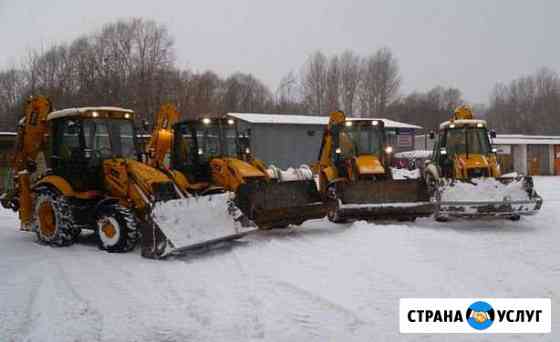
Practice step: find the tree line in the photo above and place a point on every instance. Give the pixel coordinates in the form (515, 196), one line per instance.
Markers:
(132, 63)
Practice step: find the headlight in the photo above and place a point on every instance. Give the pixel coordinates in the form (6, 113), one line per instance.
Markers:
(206, 121)
(389, 149)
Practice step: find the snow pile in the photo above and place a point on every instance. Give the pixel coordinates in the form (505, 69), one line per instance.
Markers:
(195, 220)
(484, 190)
(319, 282)
(400, 174)
(291, 174)
(510, 175)
(424, 154)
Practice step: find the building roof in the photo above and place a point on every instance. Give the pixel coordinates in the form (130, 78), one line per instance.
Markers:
(77, 111)
(461, 122)
(522, 139)
(517, 139)
(292, 119)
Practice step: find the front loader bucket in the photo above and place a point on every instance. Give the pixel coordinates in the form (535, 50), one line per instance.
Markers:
(278, 204)
(488, 197)
(383, 199)
(188, 223)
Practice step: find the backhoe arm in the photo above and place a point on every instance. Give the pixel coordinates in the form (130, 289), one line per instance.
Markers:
(31, 140)
(162, 135)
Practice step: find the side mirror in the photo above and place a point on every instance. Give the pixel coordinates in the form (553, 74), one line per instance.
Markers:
(492, 134)
(432, 135)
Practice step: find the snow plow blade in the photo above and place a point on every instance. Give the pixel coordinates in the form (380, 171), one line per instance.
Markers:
(184, 224)
(278, 204)
(386, 199)
(490, 197)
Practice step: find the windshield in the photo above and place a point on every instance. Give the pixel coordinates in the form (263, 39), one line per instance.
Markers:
(360, 139)
(467, 139)
(109, 138)
(217, 139)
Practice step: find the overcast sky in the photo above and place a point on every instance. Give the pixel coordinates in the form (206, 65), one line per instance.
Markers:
(466, 44)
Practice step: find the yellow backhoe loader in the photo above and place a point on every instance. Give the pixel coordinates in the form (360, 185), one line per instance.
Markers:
(78, 168)
(210, 158)
(464, 177)
(355, 176)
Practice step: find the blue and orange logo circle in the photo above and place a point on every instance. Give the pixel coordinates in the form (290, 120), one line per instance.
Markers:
(480, 315)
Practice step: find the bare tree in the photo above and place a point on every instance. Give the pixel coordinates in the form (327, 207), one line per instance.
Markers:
(314, 82)
(380, 82)
(350, 80)
(333, 85)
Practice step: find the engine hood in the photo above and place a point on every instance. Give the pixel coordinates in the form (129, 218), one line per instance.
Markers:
(474, 161)
(369, 165)
(243, 169)
(145, 174)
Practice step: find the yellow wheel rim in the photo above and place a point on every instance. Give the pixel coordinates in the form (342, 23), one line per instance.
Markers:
(108, 229)
(47, 223)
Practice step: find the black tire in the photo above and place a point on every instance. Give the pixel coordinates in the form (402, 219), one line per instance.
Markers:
(431, 184)
(332, 213)
(52, 219)
(116, 228)
(515, 217)
(441, 218)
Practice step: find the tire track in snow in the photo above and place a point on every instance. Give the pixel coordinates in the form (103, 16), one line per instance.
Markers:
(310, 313)
(251, 305)
(55, 296)
(21, 326)
(307, 310)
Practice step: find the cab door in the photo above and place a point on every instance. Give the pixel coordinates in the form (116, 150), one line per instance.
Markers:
(67, 158)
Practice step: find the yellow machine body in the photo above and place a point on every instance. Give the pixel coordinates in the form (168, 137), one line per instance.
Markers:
(97, 184)
(463, 154)
(357, 180)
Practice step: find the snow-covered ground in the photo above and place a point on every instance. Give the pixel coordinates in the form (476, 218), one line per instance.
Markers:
(318, 282)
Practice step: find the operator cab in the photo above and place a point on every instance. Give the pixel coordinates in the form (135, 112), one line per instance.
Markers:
(353, 138)
(462, 139)
(198, 142)
(84, 138)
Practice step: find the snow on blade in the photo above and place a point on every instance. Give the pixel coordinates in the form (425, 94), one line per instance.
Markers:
(484, 190)
(384, 205)
(399, 174)
(415, 154)
(196, 220)
(291, 174)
